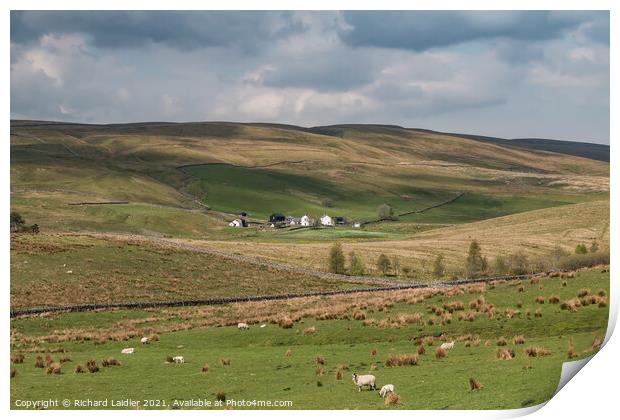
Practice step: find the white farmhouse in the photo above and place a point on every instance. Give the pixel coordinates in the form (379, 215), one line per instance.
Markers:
(236, 223)
(327, 221)
(305, 220)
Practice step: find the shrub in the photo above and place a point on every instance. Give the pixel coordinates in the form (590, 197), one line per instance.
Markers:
(169, 359)
(336, 259)
(79, 369)
(385, 211)
(383, 264)
(392, 398)
(500, 265)
(402, 360)
(285, 322)
(474, 385)
(53, 368)
(518, 339)
(440, 353)
(594, 247)
(518, 263)
(581, 249)
(573, 262)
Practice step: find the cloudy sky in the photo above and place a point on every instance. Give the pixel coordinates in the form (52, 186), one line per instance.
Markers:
(508, 74)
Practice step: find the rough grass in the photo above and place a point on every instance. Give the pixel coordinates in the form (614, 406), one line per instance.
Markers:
(260, 352)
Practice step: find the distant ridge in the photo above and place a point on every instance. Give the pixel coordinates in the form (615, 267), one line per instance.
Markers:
(593, 151)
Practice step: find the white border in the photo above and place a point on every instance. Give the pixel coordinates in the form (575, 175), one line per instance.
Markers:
(594, 392)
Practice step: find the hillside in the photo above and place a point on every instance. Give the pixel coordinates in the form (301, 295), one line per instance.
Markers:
(172, 173)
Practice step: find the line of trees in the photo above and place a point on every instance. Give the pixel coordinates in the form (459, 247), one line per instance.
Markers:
(476, 264)
(18, 224)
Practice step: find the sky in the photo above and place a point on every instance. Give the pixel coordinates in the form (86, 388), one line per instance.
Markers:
(498, 73)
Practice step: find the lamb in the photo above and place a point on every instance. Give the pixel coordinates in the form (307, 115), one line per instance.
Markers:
(128, 350)
(447, 346)
(178, 359)
(386, 389)
(243, 326)
(364, 380)
(144, 340)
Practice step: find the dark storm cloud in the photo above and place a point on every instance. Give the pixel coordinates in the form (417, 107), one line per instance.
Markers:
(185, 30)
(421, 30)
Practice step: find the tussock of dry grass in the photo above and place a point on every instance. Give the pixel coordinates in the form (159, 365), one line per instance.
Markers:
(92, 367)
(310, 330)
(537, 351)
(79, 369)
(53, 368)
(518, 339)
(17, 359)
(319, 360)
(225, 361)
(504, 354)
(474, 385)
(440, 353)
(220, 396)
(38, 362)
(402, 360)
(554, 299)
(502, 341)
(392, 398)
(583, 292)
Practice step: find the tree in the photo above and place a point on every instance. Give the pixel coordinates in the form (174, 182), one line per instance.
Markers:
(475, 264)
(581, 249)
(518, 263)
(17, 221)
(396, 265)
(385, 211)
(356, 266)
(327, 202)
(336, 259)
(439, 267)
(500, 265)
(594, 247)
(34, 228)
(383, 264)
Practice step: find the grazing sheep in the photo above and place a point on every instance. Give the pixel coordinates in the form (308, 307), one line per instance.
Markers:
(243, 326)
(263, 325)
(364, 380)
(128, 350)
(144, 340)
(178, 359)
(386, 389)
(447, 346)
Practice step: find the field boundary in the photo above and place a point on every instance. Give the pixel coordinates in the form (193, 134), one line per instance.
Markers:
(225, 300)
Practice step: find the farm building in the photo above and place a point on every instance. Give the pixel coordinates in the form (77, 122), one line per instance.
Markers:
(305, 220)
(236, 223)
(293, 221)
(277, 218)
(327, 220)
(339, 220)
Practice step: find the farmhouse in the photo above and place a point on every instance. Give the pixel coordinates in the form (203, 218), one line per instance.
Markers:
(327, 220)
(237, 223)
(305, 220)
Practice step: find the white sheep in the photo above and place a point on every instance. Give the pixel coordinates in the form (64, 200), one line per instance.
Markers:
(128, 350)
(243, 326)
(447, 346)
(263, 325)
(144, 340)
(386, 389)
(364, 380)
(178, 359)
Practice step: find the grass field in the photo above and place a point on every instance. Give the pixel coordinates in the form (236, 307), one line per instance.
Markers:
(49, 270)
(260, 369)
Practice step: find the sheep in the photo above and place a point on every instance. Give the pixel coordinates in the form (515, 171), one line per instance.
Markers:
(178, 359)
(447, 346)
(144, 340)
(128, 350)
(364, 380)
(263, 325)
(243, 326)
(386, 389)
